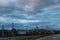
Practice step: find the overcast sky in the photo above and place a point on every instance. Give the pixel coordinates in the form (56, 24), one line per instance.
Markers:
(30, 11)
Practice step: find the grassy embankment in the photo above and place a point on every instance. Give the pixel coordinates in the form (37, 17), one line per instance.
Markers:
(32, 37)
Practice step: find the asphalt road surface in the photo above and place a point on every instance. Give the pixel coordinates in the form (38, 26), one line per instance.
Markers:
(7, 39)
(52, 37)
(10, 38)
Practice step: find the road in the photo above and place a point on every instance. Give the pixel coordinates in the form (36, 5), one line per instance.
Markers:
(52, 37)
(7, 39)
(10, 38)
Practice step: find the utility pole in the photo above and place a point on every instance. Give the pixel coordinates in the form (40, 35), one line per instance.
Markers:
(2, 30)
(12, 30)
(46, 27)
(36, 29)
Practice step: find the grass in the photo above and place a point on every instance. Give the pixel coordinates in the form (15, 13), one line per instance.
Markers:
(31, 37)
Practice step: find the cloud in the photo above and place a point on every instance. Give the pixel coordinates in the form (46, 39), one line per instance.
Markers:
(24, 5)
(2, 2)
(28, 8)
(29, 11)
(12, 20)
(52, 7)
